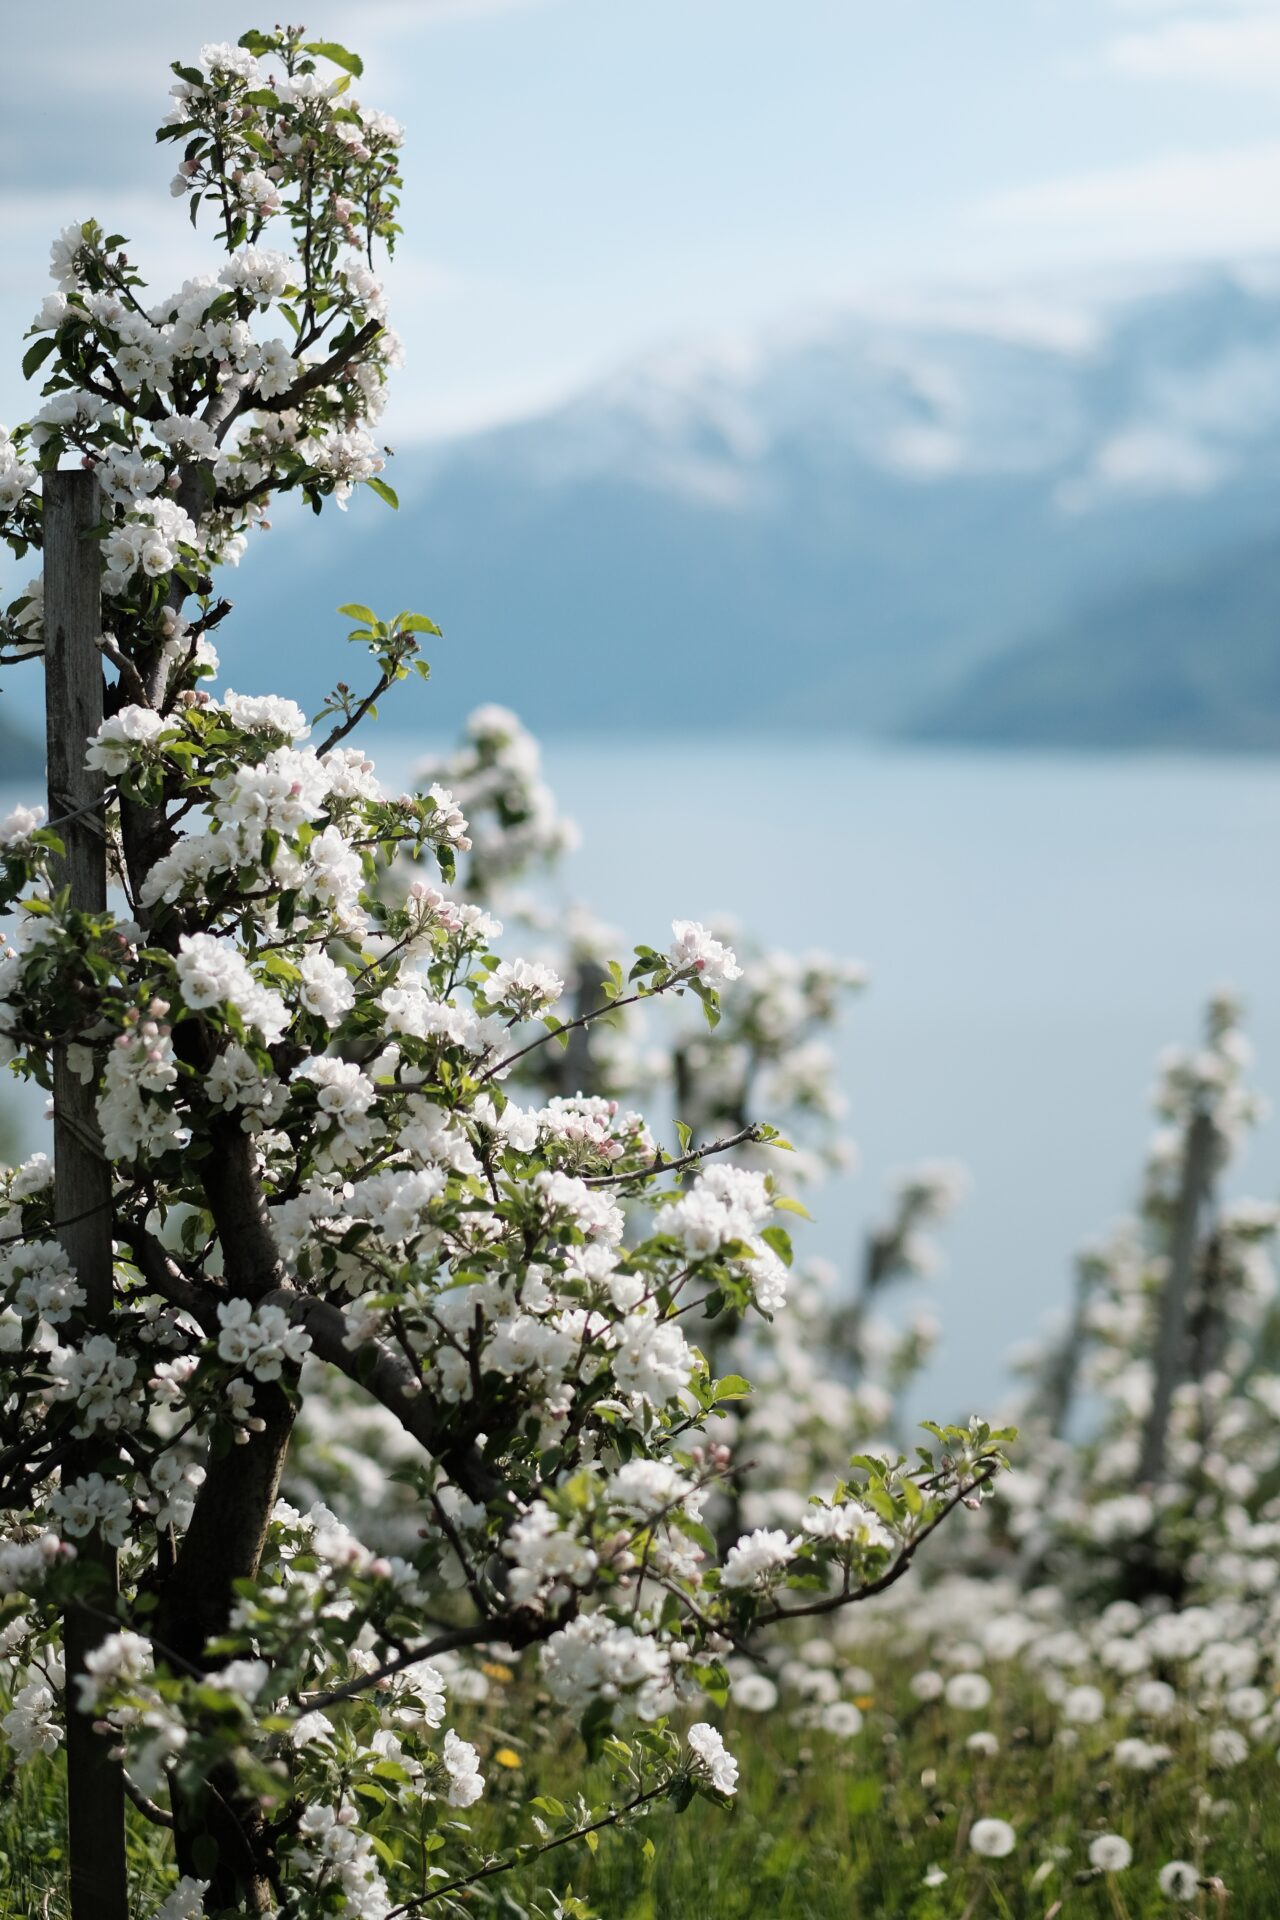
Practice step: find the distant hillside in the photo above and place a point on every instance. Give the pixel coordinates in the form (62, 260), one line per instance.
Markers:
(1193, 661)
(832, 527)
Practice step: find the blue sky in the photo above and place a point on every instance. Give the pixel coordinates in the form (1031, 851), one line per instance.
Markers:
(590, 178)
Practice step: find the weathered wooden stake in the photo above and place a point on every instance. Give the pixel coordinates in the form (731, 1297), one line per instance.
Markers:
(73, 711)
(1172, 1339)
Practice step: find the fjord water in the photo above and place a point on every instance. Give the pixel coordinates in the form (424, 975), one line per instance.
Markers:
(1037, 928)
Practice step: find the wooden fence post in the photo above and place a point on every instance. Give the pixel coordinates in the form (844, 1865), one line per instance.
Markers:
(1173, 1335)
(73, 711)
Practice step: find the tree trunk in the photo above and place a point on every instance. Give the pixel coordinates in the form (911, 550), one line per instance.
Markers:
(219, 1832)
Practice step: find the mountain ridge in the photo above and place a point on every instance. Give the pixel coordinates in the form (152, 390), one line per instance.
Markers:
(830, 530)
(1192, 662)
(834, 526)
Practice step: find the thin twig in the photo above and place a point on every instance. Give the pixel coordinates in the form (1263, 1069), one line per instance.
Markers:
(832, 1602)
(659, 1165)
(593, 1013)
(493, 1867)
(354, 718)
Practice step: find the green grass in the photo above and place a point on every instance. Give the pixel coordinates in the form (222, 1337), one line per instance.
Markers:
(822, 1829)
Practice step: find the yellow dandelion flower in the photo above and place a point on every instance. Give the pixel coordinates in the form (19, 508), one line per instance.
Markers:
(507, 1757)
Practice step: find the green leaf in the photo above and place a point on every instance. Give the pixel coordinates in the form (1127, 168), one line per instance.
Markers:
(384, 492)
(785, 1204)
(330, 50)
(354, 612)
(780, 1240)
(418, 623)
(732, 1387)
(37, 354)
(391, 1770)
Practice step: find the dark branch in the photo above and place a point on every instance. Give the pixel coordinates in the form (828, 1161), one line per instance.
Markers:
(321, 374)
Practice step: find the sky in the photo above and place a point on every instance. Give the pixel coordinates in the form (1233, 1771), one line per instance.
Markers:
(589, 179)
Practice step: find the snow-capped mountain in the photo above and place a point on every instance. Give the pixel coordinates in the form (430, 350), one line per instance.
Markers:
(829, 526)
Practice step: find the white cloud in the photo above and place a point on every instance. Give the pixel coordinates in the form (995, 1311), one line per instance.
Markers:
(1203, 204)
(1241, 51)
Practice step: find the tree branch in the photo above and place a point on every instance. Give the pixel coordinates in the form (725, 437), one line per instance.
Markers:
(389, 1380)
(318, 376)
(147, 1808)
(832, 1602)
(167, 1279)
(513, 1630)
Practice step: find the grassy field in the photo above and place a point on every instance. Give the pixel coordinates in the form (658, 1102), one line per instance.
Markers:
(825, 1828)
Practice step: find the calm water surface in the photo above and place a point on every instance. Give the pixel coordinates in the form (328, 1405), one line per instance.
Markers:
(1036, 929)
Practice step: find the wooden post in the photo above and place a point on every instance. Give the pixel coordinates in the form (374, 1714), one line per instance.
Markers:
(1172, 1337)
(1062, 1368)
(73, 711)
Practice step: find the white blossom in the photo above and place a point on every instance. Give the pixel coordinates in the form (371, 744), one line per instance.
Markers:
(693, 949)
(462, 1765)
(712, 1760)
(756, 1557)
(31, 1725)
